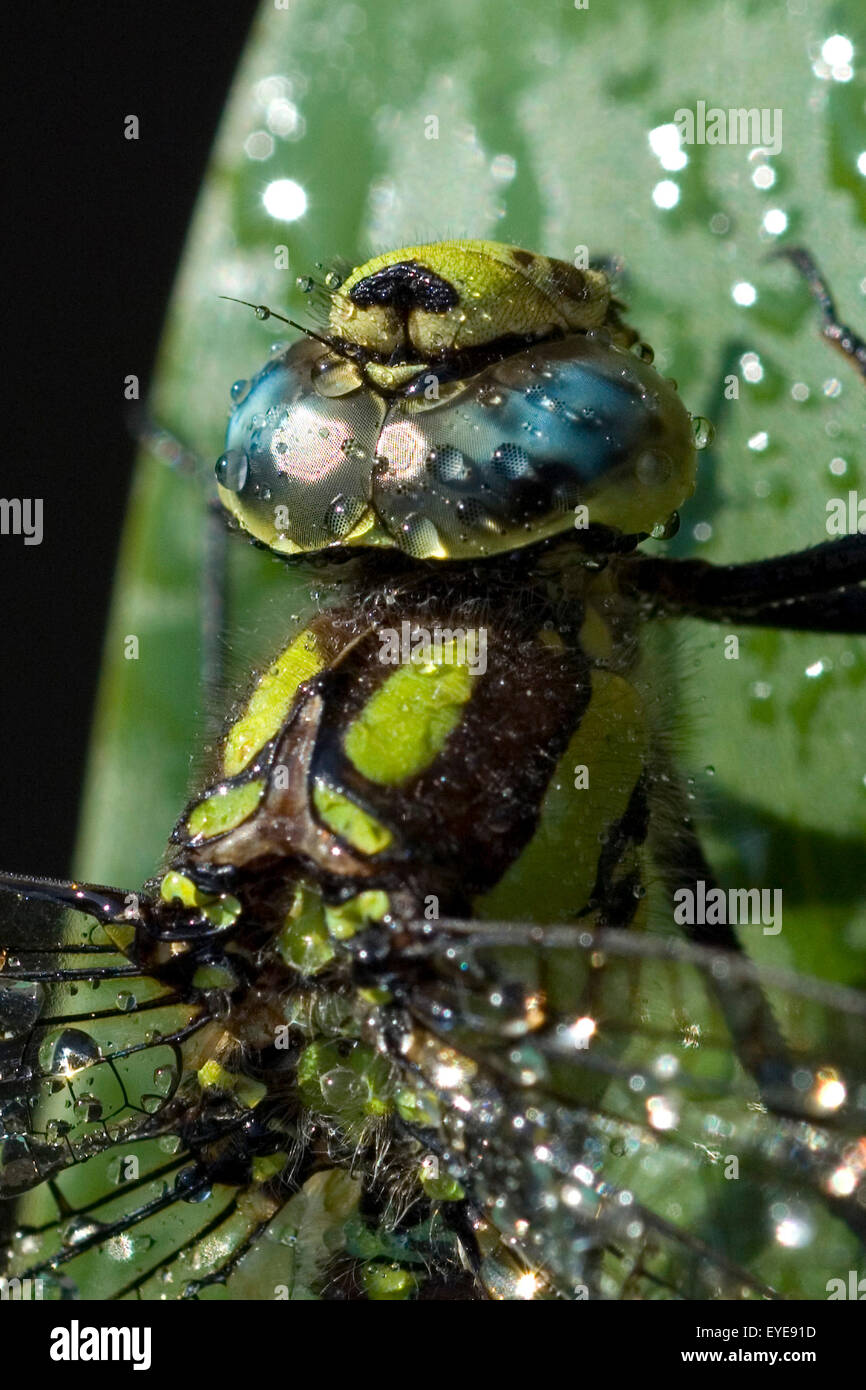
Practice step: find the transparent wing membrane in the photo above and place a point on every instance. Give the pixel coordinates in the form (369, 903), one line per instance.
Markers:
(595, 1103)
(584, 1089)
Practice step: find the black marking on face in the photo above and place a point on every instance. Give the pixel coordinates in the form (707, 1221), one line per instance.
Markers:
(523, 258)
(568, 280)
(405, 286)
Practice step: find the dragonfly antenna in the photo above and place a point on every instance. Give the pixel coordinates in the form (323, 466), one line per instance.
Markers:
(263, 312)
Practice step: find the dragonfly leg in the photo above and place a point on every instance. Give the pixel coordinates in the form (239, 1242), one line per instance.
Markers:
(682, 863)
(818, 589)
(849, 343)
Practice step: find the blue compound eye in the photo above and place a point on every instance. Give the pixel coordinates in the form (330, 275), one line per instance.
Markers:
(315, 458)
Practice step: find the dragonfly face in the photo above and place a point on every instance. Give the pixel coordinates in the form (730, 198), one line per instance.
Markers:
(406, 1014)
(500, 423)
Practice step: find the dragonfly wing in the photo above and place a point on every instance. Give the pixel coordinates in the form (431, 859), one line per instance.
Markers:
(593, 1103)
(98, 1171)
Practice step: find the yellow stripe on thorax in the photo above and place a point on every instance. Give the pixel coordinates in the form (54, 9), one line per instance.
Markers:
(406, 723)
(554, 876)
(271, 701)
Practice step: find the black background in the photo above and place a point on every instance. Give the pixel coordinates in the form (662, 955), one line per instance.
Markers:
(94, 229)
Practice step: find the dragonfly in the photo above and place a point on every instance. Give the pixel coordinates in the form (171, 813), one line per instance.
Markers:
(412, 1011)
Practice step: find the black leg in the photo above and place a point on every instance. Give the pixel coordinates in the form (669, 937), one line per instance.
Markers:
(836, 332)
(680, 859)
(844, 611)
(755, 1034)
(812, 589)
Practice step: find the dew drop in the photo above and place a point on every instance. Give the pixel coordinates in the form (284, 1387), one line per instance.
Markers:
(74, 1051)
(511, 461)
(448, 464)
(232, 469)
(20, 1002)
(702, 431)
(186, 1185)
(343, 514)
(343, 1088)
(81, 1230)
(666, 530)
(419, 537)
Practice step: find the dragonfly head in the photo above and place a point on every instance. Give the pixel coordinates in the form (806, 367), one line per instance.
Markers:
(473, 399)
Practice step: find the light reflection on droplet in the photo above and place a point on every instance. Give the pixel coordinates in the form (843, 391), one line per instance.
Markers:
(752, 368)
(285, 120)
(743, 293)
(581, 1032)
(526, 1286)
(800, 391)
(759, 441)
(835, 61)
(775, 221)
(666, 144)
(793, 1232)
(271, 89)
(448, 1077)
(666, 1066)
(666, 194)
(764, 176)
(816, 669)
(259, 145)
(843, 1182)
(838, 467)
(661, 1114)
(285, 200)
(830, 1092)
(837, 49)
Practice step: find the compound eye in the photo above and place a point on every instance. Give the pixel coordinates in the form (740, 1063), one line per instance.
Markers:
(568, 435)
(295, 471)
